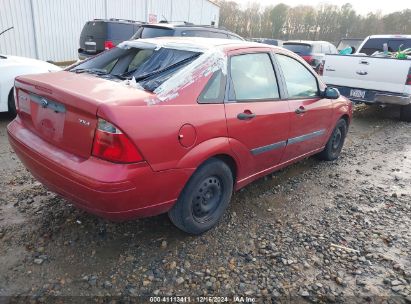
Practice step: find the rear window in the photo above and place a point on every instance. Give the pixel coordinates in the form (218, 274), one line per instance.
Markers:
(344, 43)
(218, 35)
(195, 33)
(149, 67)
(152, 32)
(270, 41)
(119, 31)
(234, 37)
(95, 29)
(298, 48)
(377, 45)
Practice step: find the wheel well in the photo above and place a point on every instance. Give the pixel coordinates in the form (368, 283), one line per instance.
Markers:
(346, 118)
(230, 162)
(10, 96)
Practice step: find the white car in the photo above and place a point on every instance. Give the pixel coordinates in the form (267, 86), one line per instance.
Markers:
(10, 68)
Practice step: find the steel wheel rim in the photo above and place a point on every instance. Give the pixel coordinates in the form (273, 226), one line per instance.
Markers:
(207, 198)
(337, 139)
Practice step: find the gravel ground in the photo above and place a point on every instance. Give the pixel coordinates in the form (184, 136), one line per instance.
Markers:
(316, 231)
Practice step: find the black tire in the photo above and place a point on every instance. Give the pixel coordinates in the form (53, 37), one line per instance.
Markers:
(204, 198)
(335, 143)
(405, 114)
(11, 105)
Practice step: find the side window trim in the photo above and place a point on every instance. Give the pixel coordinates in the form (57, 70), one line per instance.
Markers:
(284, 83)
(229, 84)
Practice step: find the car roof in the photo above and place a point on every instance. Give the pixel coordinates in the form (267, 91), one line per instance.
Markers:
(305, 42)
(198, 43)
(183, 24)
(390, 37)
(115, 20)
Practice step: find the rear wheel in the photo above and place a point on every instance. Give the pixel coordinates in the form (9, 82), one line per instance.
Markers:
(335, 143)
(11, 104)
(405, 114)
(204, 198)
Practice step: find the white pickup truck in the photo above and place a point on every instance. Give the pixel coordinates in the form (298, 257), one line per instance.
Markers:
(373, 79)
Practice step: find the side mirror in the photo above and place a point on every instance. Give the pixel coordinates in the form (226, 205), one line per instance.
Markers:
(331, 93)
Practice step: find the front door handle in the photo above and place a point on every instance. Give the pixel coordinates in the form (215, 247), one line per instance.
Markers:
(362, 73)
(300, 110)
(245, 115)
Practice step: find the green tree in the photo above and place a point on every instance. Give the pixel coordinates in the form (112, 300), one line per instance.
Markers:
(278, 18)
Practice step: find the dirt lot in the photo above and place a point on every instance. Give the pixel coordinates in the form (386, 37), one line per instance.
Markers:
(276, 242)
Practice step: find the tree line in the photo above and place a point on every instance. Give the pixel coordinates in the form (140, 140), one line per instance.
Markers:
(323, 22)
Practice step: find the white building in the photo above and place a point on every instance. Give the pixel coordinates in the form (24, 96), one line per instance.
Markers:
(50, 29)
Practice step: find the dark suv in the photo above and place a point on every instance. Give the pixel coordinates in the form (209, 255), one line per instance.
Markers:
(312, 51)
(184, 29)
(102, 34)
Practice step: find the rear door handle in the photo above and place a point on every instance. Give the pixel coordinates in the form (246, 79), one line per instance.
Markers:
(362, 73)
(245, 116)
(300, 110)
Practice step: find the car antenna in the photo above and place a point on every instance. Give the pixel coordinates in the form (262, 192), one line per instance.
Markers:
(165, 19)
(6, 30)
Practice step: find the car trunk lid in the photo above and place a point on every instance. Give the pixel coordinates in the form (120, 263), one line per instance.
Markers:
(61, 108)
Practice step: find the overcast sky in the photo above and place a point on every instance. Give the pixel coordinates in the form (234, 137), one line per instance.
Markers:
(361, 6)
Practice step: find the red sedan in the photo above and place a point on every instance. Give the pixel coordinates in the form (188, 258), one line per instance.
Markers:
(173, 125)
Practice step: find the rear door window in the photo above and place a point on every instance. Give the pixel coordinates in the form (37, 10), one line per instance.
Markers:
(300, 82)
(299, 48)
(252, 78)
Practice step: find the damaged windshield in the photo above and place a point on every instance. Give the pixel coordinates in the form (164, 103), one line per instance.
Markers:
(149, 67)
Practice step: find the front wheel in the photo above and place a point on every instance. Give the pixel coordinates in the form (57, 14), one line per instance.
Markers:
(204, 198)
(335, 143)
(405, 114)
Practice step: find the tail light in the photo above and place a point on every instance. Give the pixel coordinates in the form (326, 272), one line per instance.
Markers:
(113, 145)
(309, 59)
(408, 81)
(108, 44)
(320, 69)
(16, 100)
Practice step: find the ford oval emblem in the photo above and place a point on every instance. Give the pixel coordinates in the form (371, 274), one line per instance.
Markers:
(44, 103)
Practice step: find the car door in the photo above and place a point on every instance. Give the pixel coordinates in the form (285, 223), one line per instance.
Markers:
(257, 118)
(311, 114)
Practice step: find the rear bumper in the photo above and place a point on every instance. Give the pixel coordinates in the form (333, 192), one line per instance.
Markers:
(376, 97)
(393, 99)
(113, 191)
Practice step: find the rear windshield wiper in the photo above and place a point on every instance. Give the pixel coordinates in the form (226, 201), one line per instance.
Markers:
(91, 71)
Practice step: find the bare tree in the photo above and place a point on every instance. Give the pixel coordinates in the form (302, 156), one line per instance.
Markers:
(324, 22)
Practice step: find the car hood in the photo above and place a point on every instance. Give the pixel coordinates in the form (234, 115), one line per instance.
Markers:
(10, 61)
